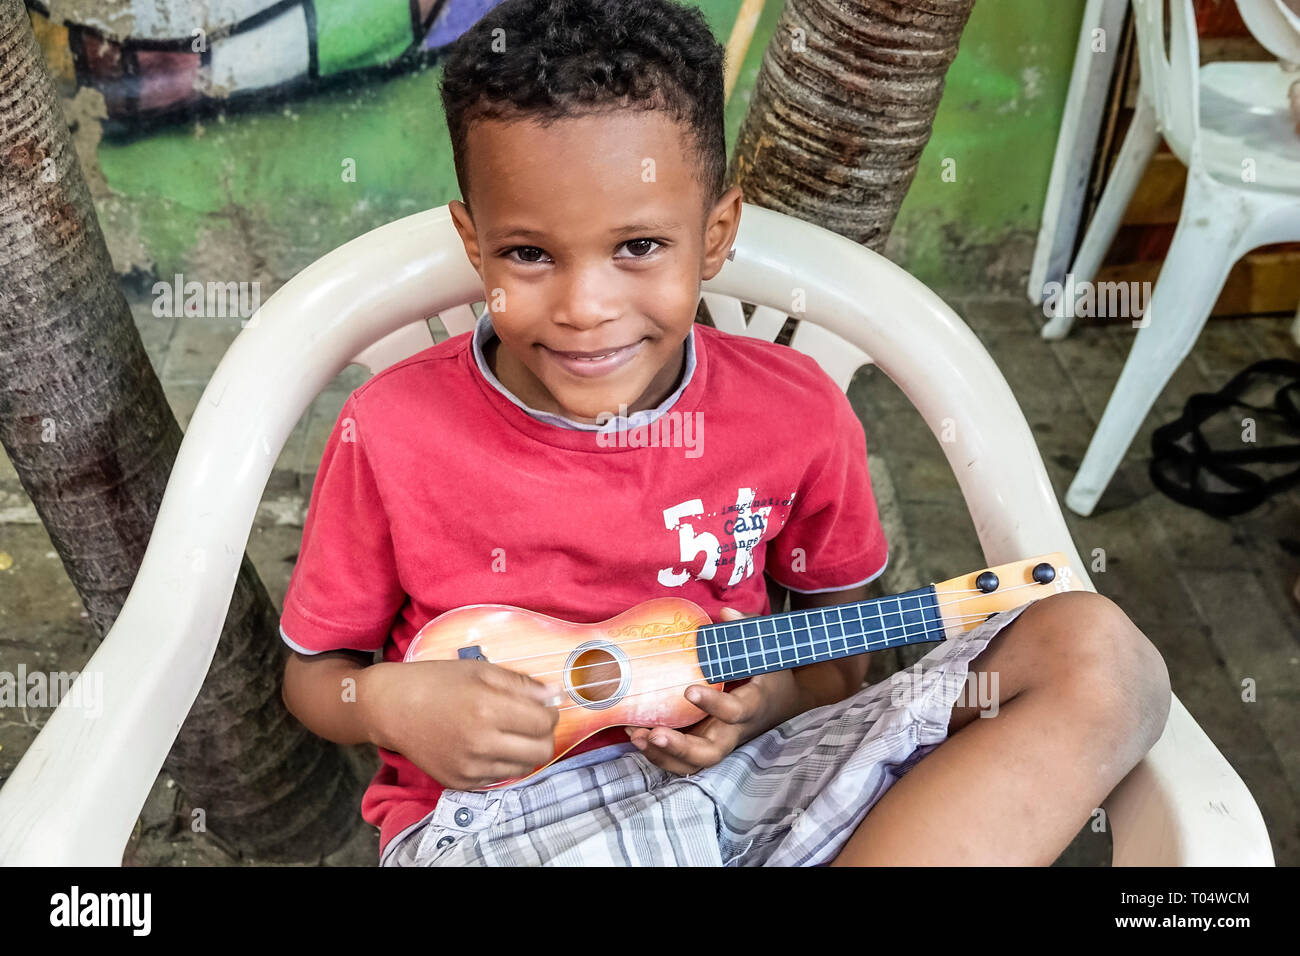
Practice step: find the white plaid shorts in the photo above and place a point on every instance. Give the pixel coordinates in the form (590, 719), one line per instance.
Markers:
(789, 797)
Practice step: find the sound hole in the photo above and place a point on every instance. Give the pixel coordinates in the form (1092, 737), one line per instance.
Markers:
(595, 675)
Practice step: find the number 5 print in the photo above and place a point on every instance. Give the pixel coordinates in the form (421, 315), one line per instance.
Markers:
(692, 544)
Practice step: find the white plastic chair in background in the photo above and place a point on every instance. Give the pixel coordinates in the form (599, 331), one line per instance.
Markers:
(1229, 123)
(1275, 27)
(75, 795)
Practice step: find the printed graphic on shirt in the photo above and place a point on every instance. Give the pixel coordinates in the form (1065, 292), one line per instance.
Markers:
(719, 545)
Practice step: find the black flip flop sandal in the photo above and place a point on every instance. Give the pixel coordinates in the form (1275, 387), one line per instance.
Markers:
(1189, 470)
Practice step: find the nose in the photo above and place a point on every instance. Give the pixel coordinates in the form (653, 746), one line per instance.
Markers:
(588, 299)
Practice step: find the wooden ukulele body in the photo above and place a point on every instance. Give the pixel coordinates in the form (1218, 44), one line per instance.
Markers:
(630, 670)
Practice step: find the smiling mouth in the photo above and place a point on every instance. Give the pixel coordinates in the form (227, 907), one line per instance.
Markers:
(592, 356)
(596, 363)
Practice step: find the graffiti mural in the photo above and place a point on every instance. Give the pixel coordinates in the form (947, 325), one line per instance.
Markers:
(166, 60)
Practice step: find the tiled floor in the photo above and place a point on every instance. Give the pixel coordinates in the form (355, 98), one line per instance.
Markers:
(1213, 595)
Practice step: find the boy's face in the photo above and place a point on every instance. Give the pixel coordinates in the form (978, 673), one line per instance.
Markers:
(591, 236)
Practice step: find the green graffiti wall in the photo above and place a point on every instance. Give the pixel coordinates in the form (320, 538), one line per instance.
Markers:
(260, 192)
(998, 122)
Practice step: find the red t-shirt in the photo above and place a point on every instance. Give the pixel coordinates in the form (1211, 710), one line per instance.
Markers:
(432, 477)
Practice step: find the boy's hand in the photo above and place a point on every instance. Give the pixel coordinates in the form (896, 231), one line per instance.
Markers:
(465, 723)
(734, 717)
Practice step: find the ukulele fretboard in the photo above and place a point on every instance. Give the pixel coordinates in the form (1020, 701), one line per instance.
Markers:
(738, 649)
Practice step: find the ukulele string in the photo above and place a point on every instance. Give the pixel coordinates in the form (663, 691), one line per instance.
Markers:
(723, 660)
(975, 592)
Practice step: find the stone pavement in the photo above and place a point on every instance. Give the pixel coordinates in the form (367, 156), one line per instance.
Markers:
(1213, 595)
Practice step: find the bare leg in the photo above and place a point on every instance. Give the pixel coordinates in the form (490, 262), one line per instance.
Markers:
(1082, 696)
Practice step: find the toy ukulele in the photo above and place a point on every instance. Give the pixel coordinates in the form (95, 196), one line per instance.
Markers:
(633, 669)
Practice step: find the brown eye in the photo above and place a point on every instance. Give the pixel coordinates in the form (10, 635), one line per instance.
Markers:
(525, 252)
(638, 247)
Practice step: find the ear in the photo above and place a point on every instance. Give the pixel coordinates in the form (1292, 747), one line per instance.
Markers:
(468, 234)
(720, 231)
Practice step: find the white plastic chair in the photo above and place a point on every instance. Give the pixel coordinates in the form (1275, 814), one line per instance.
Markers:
(1229, 123)
(75, 795)
(1275, 27)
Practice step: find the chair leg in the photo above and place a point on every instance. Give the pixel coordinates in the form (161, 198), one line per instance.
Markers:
(1207, 243)
(1135, 154)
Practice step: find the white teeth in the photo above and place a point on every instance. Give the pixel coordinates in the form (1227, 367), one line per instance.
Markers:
(595, 358)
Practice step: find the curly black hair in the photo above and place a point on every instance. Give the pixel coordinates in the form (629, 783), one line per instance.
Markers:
(550, 59)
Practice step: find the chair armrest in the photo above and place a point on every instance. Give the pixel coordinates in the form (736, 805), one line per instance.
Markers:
(74, 797)
(1184, 805)
(77, 792)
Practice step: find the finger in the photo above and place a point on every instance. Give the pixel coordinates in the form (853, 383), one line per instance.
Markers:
(486, 771)
(519, 748)
(519, 715)
(507, 770)
(515, 702)
(728, 706)
(666, 761)
(688, 750)
(731, 614)
(516, 682)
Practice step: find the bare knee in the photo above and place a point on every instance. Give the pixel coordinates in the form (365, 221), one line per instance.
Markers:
(1110, 670)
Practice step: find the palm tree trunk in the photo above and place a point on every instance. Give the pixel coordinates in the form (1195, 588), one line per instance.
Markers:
(843, 106)
(85, 422)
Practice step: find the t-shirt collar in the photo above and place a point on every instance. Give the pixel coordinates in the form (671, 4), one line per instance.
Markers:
(484, 333)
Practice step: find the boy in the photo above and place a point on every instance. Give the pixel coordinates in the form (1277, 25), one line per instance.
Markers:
(588, 143)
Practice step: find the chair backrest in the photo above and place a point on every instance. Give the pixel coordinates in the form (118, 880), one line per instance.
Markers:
(839, 358)
(1274, 26)
(76, 794)
(1170, 79)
